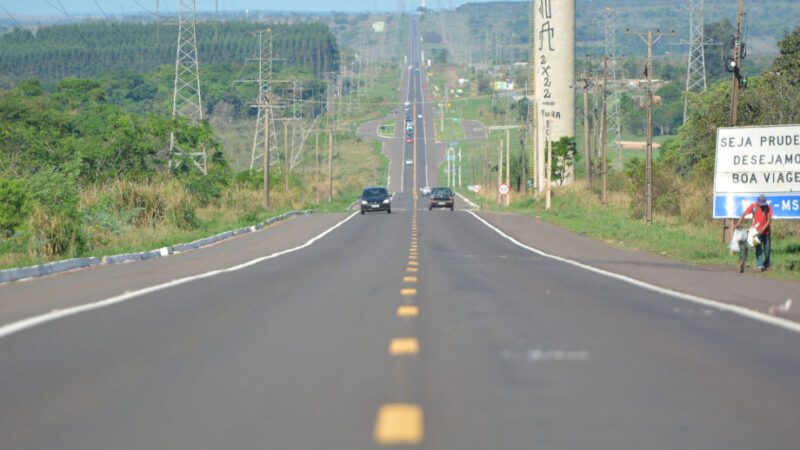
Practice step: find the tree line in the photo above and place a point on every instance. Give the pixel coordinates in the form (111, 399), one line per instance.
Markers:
(88, 49)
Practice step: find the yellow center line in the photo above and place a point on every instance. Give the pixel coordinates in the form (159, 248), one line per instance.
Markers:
(412, 256)
(411, 269)
(404, 346)
(413, 263)
(408, 291)
(408, 311)
(410, 279)
(399, 424)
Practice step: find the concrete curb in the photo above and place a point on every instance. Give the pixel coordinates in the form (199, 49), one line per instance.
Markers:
(469, 202)
(22, 273)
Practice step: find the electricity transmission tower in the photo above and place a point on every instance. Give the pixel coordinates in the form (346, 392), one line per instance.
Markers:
(613, 116)
(696, 67)
(186, 100)
(264, 91)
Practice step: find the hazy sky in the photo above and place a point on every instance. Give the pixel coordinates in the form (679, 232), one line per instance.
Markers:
(23, 7)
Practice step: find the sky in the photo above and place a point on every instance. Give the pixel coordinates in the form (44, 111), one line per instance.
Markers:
(100, 7)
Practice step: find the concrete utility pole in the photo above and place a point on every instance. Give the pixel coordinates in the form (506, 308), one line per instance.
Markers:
(648, 193)
(548, 192)
(286, 156)
(330, 165)
(603, 129)
(266, 150)
(596, 120)
(586, 129)
(499, 171)
(727, 227)
(508, 165)
(316, 169)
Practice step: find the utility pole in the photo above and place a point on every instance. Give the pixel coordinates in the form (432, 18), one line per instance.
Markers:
(330, 164)
(586, 129)
(603, 129)
(648, 194)
(286, 156)
(596, 120)
(186, 99)
(508, 165)
(266, 150)
(549, 174)
(316, 169)
(727, 227)
(499, 171)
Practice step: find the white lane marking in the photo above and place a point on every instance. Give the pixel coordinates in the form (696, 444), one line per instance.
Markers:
(742, 311)
(24, 324)
(469, 202)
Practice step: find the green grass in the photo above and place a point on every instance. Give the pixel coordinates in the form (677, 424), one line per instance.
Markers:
(579, 211)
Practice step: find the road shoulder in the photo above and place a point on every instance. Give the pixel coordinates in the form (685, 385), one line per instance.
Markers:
(722, 285)
(37, 296)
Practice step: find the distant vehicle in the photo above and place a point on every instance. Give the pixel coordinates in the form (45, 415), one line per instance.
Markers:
(419, 116)
(426, 190)
(376, 199)
(441, 197)
(409, 162)
(424, 86)
(409, 140)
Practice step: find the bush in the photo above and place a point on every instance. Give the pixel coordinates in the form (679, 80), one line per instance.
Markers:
(13, 213)
(55, 234)
(156, 202)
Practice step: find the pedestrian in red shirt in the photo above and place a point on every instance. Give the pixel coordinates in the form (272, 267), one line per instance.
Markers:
(762, 218)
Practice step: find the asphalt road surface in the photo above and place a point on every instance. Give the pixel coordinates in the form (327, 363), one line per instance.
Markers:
(416, 329)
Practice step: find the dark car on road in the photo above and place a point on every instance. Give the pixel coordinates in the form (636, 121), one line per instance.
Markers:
(441, 197)
(376, 199)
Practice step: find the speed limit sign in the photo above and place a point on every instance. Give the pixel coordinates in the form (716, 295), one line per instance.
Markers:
(503, 189)
(476, 188)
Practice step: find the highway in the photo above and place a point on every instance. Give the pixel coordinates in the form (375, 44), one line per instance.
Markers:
(415, 329)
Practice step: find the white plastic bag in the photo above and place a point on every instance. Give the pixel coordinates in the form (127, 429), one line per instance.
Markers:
(752, 237)
(735, 240)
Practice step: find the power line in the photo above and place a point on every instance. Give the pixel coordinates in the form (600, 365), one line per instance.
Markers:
(10, 16)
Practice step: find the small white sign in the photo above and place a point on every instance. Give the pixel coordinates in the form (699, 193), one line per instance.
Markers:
(476, 188)
(503, 189)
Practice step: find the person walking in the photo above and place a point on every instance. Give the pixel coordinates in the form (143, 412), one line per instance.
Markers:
(762, 219)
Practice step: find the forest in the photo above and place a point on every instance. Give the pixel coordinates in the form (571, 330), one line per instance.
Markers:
(87, 50)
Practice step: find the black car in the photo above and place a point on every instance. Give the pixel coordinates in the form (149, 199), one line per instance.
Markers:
(442, 197)
(376, 199)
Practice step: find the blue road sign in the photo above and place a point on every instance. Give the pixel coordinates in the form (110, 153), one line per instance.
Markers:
(453, 144)
(731, 206)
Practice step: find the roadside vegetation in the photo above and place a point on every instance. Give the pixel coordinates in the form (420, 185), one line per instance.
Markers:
(684, 160)
(84, 161)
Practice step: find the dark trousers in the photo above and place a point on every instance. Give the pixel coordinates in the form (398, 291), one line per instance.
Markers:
(763, 250)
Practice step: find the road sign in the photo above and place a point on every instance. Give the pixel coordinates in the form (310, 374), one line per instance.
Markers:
(453, 144)
(476, 188)
(503, 189)
(757, 160)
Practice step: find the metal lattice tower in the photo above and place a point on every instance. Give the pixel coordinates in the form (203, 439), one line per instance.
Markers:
(696, 67)
(264, 88)
(186, 100)
(613, 117)
(401, 6)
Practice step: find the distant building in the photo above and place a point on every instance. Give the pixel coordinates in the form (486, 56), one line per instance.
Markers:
(378, 27)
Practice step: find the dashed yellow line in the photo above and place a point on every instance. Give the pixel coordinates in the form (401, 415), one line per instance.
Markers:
(413, 263)
(408, 311)
(409, 279)
(408, 292)
(404, 346)
(399, 424)
(411, 269)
